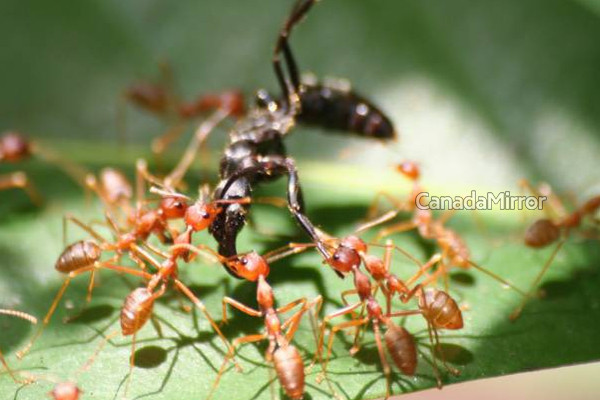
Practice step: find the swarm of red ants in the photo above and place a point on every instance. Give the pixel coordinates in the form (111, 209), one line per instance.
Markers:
(155, 208)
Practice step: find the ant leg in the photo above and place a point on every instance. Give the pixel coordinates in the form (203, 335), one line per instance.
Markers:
(241, 307)
(205, 128)
(10, 371)
(384, 363)
(61, 292)
(160, 143)
(131, 364)
(374, 207)
(87, 365)
(283, 309)
(517, 312)
(27, 317)
(434, 347)
(498, 278)
(287, 250)
(59, 295)
(326, 319)
(19, 180)
(229, 356)
(424, 268)
(334, 330)
(71, 218)
(76, 172)
(453, 371)
(317, 301)
(396, 228)
(186, 291)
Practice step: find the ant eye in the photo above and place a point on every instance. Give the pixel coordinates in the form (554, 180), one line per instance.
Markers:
(178, 205)
(205, 215)
(244, 260)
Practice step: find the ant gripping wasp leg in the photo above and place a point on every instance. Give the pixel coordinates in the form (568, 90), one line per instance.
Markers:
(256, 151)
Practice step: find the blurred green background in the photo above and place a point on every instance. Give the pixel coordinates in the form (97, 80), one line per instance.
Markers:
(482, 92)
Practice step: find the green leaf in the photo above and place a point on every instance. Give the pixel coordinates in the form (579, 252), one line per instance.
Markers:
(482, 94)
(184, 362)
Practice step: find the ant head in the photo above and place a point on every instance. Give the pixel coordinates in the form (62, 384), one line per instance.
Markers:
(200, 215)
(14, 146)
(65, 391)
(542, 233)
(355, 243)
(344, 259)
(409, 169)
(173, 207)
(250, 266)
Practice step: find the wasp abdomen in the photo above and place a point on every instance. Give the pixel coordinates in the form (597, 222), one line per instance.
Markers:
(343, 110)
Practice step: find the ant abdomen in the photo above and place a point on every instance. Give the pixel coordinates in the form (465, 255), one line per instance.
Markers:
(542, 233)
(440, 309)
(290, 371)
(136, 310)
(78, 255)
(401, 346)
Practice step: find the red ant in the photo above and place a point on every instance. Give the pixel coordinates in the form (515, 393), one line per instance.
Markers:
(454, 251)
(437, 307)
(286, 359)
(546, 231)
(76, 259)
(15, 147)
(138, 305)
(159, 100)
(22, 315)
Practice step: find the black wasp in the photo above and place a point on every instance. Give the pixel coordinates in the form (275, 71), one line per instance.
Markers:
(256, 152)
